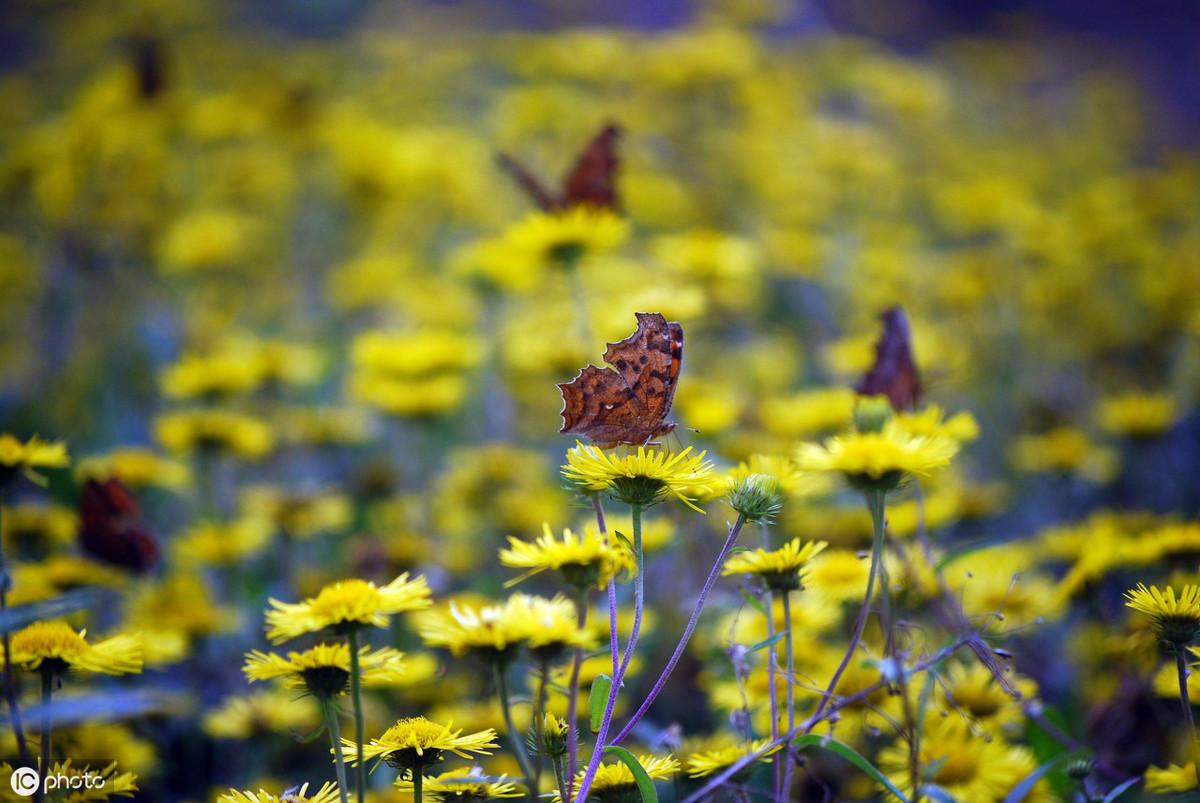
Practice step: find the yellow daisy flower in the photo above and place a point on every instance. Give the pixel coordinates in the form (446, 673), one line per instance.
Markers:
(1176, 618)
(551, 239)
(188, 430)
(57, 645)
(967, 767)
(16, 456)
(245, 716)
(720, 756)
(614, 781)
(324, 669)
(878, 459)
(137, 468)
(328, 793)
(781, 569)
(494, 631)
(1172, 778)
(346, 604)
(642, 478)
(459, 785)
(931, 422)
(1137, 415)
(583, 560)
(414, 743)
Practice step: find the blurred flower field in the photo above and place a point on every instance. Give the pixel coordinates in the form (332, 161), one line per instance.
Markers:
(287, 514)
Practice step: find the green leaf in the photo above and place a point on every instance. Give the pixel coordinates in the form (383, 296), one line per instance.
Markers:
(598, 699)
(854, 757)
(644, 784)
(754, 602)
(937, 793)
(624, 540)
(1112, 796)
(1021, 791)
(765, 643)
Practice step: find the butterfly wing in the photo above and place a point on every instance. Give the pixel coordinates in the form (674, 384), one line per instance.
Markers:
(109, 530)
(527, 181)
(592, 180)
(894, 373)
(600, 405)
(649, 361)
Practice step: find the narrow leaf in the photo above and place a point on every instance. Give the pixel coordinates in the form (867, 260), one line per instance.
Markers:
(644, 784)
(755, 603)
(598, 699)
(770, 642)
(1112, 796)
(854, 757)
(1021, 791)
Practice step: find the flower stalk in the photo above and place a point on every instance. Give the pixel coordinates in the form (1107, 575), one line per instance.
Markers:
(360, 781)
(10, 683)
(335, 739)
(513, 736)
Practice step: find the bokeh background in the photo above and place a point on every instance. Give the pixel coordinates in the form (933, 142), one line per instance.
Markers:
(259, 261)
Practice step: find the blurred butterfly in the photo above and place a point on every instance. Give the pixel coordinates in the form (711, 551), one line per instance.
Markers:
(894, 373)
(110, 527)
(590, 182)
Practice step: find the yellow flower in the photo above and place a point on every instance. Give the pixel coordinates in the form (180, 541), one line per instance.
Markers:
(1172, 778)
(972, 691)
(878, 457)
(967, 767)
(808, 413)
(205, 239)
(226, 372)
(87, 784)
(266, 712)
(1176, 618)
(1064, 450)
(458, 785)
(39, 528)
(646, 476)
(840, 574)
(16, 456)
(328, 793)
(223, 543)
(346, 604)
(324, 669)
(414, 743)
(782, 569)
(931, 422)
(137, 468)
(187, 430)
(493, 631)
(719, 756)
(57, 645)
(614, 780)
(582, 560)
(1137, 415)
(299, 515)
(549, 239)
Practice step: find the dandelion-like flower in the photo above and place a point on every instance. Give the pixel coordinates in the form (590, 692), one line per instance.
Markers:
(642, 478)
(720, 756)
(16, 457)
(1172, 778)
(328, 793)
(547, 239)
(345, 605)
(324, 670)
(880, 459)
(495, 632)
(583, 560)
(614, 782)
(56, 646)
(414, 743)
(457, 785)
(1176, 617)
(780, 569)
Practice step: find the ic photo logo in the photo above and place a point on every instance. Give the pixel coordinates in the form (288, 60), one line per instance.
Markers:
(25, 781)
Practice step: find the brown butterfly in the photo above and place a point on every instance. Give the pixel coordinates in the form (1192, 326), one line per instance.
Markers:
(590, 182)
(629, 404)
(110, 528)
(894, 373)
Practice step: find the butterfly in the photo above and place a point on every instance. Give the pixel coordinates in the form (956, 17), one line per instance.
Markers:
(629, 404)
(894, 373)
(590, 182)
(110, 528)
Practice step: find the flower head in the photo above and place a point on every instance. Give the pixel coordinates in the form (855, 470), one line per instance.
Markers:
(583, 560)
(187, 430)
(415, 743)
(328, 793)
(554, 239)
(643, 478)
(16, 456)
(457, 785)
(1172, 778)
(1176, 618)
(324, 670)
(614, 782)
(58, 646)
(724, 753)
(780, 569)
(346, 604)
(495, 631)
(878, 459)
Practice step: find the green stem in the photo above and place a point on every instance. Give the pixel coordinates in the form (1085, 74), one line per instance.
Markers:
(539, 718)
(639, 592)
(335, 739)
(10, 682)
(360, 781)
(418, 784)
(513, 736)
(772, 692)
(791, 688)
(573, 704)
(47, 692)
(1181, 669)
